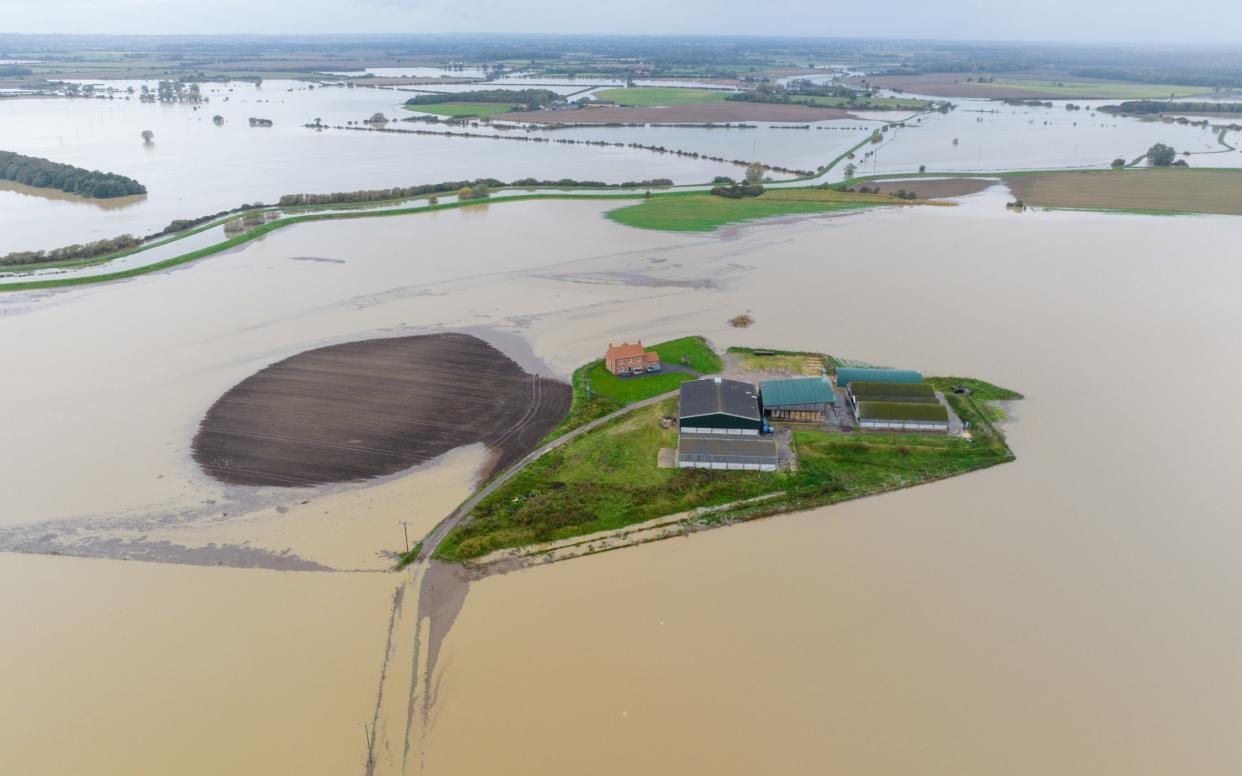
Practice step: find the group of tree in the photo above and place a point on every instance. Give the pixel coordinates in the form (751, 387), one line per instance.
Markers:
(1143, 107)
(531, 99)
(71, 252)
(45, 174)
(1214, 77)
(479, 190)
(171, 91)
(724, 186)
(1161, 155)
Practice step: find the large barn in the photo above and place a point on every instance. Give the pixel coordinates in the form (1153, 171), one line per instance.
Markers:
(720, 425)
(716, 405)
(727, 452)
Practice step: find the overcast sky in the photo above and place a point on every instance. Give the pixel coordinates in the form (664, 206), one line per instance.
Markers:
(1049, 20)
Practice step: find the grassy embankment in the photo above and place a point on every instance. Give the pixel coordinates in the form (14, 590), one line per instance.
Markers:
(608, 478)
(702, 212)
(464, 109)
(660, 96)
(272, 226)
(609, 393)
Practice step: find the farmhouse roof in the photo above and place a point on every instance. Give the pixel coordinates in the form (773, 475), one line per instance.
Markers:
(625, 350)
(716, 395)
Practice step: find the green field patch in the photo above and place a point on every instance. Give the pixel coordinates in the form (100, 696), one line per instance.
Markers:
(659, 96)
(1094, 89)
(705, 212)
(462, 109)
(597, 392)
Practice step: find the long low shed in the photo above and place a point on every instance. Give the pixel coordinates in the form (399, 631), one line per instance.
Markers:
(903, 392)
(717, 452)
(848, 374)
(902, 416)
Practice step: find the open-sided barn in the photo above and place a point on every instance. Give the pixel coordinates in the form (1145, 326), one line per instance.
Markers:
(801, 398)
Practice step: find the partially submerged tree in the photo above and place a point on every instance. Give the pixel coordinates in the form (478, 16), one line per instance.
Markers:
(850, 169)
(147, 136)
(1119, 163)
(1161, 155)
(754, 172)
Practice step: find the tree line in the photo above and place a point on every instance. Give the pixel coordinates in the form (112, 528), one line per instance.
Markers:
(531, 98)
(45, 174)
(1165, 106)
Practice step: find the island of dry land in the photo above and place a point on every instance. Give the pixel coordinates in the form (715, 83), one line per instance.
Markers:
(365, 409)
(611, 483)
(722, 112)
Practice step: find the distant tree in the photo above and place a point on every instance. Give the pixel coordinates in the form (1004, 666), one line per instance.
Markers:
(922, 169)
(1118, 164)
(147, 136)
(377, 118)
(1161, 155)
(954, 141)
(258, 83)
(480, 191)
(217, 119)
(850, 169)
(754, 172)
(465, 193)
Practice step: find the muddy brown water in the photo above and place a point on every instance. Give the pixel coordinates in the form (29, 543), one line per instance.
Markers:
(366, 409)
(1075, 612)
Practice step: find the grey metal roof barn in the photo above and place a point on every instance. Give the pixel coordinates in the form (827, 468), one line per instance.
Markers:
(848, 374)
(727, 452)
(796, 392)
(715, 402)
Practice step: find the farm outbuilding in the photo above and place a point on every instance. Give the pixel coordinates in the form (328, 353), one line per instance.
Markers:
(712, 451)
(849, 374)
(902, 416)
(718, 406)
(902, 392)
(802, 398)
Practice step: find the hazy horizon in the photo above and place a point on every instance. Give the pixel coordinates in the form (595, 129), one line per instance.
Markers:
(1108, 21)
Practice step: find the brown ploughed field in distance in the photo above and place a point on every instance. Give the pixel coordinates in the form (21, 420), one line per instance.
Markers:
(364, 409)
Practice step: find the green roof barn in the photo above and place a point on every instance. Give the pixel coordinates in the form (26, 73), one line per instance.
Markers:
(801, 398)
(915, 392)
(902, 416)
(848, 374)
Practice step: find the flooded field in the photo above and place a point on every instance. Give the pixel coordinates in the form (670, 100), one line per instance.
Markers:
(194, 168)
(1038, 609)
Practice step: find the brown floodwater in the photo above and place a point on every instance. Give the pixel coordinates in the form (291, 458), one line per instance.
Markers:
(1077, 611)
